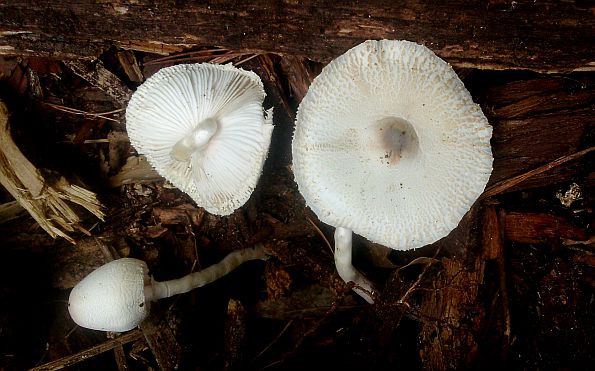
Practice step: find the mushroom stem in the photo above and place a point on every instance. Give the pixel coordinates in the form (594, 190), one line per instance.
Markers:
(117, 295)
(195, 140)
(345, 268)
(159, 290)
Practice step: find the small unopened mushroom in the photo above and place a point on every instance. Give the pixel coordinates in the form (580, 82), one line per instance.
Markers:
(117, 295)
(389, 144)
(203, 128)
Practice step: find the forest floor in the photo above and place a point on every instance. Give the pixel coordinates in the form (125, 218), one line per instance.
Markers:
(512, 286)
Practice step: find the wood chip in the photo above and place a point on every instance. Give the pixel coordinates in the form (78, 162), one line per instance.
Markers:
(130, 65)
(98, 76)
(136, 170)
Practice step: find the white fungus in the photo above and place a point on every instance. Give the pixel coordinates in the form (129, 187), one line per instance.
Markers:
(111, 298)
(203, 128)
(117, 295)
(389, 144)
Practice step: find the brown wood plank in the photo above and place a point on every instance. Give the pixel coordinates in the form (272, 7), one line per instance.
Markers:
(543, 36)
(535, 228)
(536, 122)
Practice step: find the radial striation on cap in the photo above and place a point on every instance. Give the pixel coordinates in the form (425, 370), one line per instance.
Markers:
(389, 143)
(203, 128)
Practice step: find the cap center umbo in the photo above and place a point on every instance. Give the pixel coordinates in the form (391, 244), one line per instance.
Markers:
(398, 139)
(195, 140)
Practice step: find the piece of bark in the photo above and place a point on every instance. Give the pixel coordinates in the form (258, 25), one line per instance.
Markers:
(531, 95)
(493, 243)
(181, 214)
(538, 228)
(268, 71)
(520, 145)
(536, 122)
(130, 65)
(136, 170)
(447, 341)
(235, 335)
(512, 183)
(456, 303)
(520, 34)
(162, 341)
(98, 76)
(299, 75)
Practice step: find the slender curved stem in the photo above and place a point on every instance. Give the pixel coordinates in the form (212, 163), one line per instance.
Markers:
(165, 289)
(345, 268)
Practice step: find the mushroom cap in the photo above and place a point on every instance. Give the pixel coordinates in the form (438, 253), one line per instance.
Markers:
(111, 298)
(170, 104)
(389, 143)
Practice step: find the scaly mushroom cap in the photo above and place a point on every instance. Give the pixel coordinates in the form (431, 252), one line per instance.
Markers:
(389, 143)
(202, 127)
(111, 298)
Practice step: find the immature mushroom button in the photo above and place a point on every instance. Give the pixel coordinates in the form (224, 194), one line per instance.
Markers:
(202, 127)
(117, 295)
(389, 144)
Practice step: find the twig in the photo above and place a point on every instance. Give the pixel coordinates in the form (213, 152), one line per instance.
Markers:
(493, 246)
(506, 184)
(499, 244)
(119, 354)
(91, 352)
(246, 59)
(89, 115)
(316, 326)
(416, 283)
(177, 57)
(209, 55)
(269, 345)
(321, 235)
(312, 329)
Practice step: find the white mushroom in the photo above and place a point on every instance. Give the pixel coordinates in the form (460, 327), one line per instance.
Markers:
(202, 127)
(390, 145)
(117, 295)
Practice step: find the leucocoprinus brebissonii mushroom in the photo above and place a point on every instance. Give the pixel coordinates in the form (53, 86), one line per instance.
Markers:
(389, 144)
(117, 295)
(203, 128)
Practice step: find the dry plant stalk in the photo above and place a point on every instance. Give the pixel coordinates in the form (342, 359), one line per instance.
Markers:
(46, 203)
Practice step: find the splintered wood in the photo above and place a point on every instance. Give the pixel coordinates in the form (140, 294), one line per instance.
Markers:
(45, 202)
